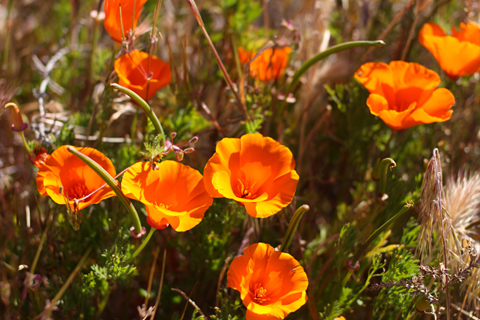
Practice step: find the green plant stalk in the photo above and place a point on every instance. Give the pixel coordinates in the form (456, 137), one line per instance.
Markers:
(292, 227)
(380, 172)
(112, 184)
(60, 293)
(144, 243)
(377, 232)
(160, 286)
(25, 143)
(40, 245)
(144, 105)
(196, 13)
(96, 23)
(322, 55)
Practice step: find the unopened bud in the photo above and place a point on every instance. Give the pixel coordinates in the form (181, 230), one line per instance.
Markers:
(193, 140)
(173, 135)
(18, 124)
(179, 155)
(188, 150)
(422, 304)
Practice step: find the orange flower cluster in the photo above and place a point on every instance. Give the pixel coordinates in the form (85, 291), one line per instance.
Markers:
(270, 64)
(459, 54)
(271, 283)
(67, 179)
(173, 194)
(113, 22)
(142, 73)
(256, 171)
(405, 94)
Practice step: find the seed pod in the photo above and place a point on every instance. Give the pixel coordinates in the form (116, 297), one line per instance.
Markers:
(422, 304)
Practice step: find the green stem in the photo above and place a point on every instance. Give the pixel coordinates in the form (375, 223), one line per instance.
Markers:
(40, 245)
(144, 105)
(292, 227)
(322, 55)
(380, 172)
(60, 293)
(25, 144)
(144, 243)
(374, 235)
(112, 184)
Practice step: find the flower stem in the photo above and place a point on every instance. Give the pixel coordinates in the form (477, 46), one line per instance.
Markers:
(195, 11)
(65, 286)
(25, 143)
(144, 105)
(112, 184)
(40, 245)
(292, 227)
(322, 55)
(144, 243)
(377, 232)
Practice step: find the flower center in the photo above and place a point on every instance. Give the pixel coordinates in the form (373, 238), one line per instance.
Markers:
(260, 294)
(77, 191)
(245, 190)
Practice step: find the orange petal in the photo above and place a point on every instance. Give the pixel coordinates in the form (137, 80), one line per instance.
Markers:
(457, 58)
(377, 77)
(226, 157)
(407, 75)
(436, 109)
(469, 32)
(64, 171)
(133, 72)
(254, 316)
(112, 16)
(173, 194)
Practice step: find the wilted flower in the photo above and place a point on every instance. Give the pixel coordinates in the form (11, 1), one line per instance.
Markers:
(459, 54)
(133, 73)
(270, 64)
(271, 283)
(64, 177)
(405, 94)
(18, 124)
(38, 156)
(256, 171)
(130, 15)
(173, 193)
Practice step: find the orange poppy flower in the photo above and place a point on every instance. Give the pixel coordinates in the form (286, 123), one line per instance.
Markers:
(459, 54)
(132, 69)
(112, 17)
(404, 94)
(270, 64)
(64, 176)
(271, 283)
(173, 194)
(256, 171)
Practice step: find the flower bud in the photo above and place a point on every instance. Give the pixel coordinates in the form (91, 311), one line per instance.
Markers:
(422, 304)
(189, 150)
(193, 140)
(179, 155)
(18, 124)
(173, 135)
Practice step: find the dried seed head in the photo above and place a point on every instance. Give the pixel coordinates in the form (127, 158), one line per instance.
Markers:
(432, 215)
(462, 201)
